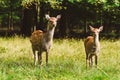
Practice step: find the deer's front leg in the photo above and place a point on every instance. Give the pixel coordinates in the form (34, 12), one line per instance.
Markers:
(40, 58)
(96, 59)
(35, 58)
(87, 60)
(47, 52)
(90, 60)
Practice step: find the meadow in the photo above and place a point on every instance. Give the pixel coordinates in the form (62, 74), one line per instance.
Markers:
(66, 61)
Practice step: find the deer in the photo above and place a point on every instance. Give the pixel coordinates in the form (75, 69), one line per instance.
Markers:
(42, 41)
(92, 46)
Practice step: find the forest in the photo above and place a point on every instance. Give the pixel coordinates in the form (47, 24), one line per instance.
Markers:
(24, 16)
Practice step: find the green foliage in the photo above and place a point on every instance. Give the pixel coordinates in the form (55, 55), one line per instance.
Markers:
(74, 1)
(28, 3)
(97, 1)
(9, 3)
(2, 3)
(84, 12)
(8, 8)
(55, 4)
(66, 61)
(111, 5)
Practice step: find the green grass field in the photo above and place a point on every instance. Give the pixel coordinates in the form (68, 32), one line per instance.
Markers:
(66, 61)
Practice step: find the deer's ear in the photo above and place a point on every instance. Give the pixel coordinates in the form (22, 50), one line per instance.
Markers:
(91, 28)
(58, 17)
(101, 28)
(47, 16)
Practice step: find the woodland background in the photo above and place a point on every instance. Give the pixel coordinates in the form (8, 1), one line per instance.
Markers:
(24, 16)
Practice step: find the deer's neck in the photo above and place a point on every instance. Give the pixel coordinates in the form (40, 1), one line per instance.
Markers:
(50, 33)
(96, 40)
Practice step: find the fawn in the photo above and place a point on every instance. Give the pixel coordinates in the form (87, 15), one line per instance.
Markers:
(42, 41)
(92, 46)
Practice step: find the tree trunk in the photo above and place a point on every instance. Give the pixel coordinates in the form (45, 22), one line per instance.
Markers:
(27, 22)
(40, 16)
(63, 26)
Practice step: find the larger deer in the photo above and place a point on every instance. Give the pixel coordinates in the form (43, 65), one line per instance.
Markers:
(92, 46)
(42, 41)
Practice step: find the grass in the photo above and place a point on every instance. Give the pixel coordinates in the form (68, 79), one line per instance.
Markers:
(66, 61)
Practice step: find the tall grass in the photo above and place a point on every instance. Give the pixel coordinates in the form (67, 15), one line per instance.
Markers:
(66, 61)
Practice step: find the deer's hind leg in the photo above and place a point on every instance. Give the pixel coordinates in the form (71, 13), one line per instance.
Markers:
(35, 56)
(47, 53)
(90, 60)
(40, 58)
(87, 59)
(96, 60)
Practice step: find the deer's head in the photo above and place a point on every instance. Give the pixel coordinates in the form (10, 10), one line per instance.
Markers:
(96, 31)
(52, 21)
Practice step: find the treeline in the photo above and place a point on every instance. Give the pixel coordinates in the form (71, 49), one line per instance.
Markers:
(77, 15)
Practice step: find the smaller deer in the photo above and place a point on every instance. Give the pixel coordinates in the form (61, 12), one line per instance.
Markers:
(92, 46)
(42, 41)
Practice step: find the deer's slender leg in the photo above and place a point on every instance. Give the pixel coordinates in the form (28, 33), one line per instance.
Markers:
(91, 61)
(47, 52)
(35, 58)
(87, 60)
(96, 59)
(40, 58)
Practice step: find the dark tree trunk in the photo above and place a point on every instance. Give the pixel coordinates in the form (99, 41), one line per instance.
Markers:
(27, 22)
(85, 28)
(40, 16)
(63, 26)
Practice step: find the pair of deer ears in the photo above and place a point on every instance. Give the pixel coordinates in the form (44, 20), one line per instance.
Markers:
(100, 28)
(48, 17)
